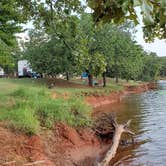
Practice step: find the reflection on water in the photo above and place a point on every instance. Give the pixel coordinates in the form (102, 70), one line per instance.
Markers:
(148, 114)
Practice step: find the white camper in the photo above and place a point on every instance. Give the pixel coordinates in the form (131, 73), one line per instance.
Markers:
(2, 73)
(24, 68)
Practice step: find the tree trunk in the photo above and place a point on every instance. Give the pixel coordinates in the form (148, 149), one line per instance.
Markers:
(116, 72)
(116, 78)
(119, 129)
(90, 80)
(6, 69)
(104, 79)
(67, 76)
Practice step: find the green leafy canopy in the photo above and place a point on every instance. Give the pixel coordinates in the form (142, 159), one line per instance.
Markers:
(118, 11)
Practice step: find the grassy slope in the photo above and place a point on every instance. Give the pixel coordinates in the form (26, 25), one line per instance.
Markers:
(28, 105)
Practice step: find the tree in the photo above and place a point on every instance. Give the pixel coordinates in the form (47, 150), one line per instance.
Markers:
(5, 56)
(55, 16)
(116, 11)
(123, 56)
(12, 14)
(66, 49)
(8, 56)
(134, 62)
(151, 68)
(48, 54)
(118, 51)
(87, 56)
(57, 21)
(162, 61)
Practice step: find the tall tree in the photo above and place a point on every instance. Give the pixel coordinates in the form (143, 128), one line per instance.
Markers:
(119, 49)
(151, 68)
(71, 53)
(58, 20)
(134, 62)
(116, 47)
(12, 14)
(88, 57)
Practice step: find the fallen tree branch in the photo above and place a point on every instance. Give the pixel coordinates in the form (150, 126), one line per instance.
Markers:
(119, 129)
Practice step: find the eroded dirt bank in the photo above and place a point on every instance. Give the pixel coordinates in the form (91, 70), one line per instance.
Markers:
(62, 146)
(97, 101)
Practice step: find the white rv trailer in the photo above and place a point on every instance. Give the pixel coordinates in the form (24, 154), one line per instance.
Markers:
(2, 73)
(23, 68)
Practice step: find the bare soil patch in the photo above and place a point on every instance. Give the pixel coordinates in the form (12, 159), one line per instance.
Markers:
(62, 146)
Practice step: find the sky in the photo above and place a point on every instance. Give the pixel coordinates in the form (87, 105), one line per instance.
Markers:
(158, 46)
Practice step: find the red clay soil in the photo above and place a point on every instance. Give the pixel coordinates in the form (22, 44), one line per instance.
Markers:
(70, 147)
(18, 149)
(97, 101)
(63, 146)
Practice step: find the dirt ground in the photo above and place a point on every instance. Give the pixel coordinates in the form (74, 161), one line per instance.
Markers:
(62, 146)
(64, 83)
(115, 97)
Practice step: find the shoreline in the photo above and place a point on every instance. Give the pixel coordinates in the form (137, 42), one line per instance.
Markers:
(63, 145)
(115, 97)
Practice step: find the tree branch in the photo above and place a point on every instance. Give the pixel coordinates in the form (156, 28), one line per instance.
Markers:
(119, 129)
(154, 2)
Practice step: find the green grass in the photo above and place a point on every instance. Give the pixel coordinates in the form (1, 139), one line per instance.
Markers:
(111, 87)
(27, 105)
(21, 119)
(28, 108)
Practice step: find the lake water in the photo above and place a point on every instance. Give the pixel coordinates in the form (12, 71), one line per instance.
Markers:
(148, 114)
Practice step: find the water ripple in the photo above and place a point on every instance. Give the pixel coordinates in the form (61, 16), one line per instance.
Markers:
(148, 111)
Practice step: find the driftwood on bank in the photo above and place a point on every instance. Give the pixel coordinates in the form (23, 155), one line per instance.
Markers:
(107, 126)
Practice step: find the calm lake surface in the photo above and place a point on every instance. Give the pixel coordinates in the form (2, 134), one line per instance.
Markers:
(148, 114)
